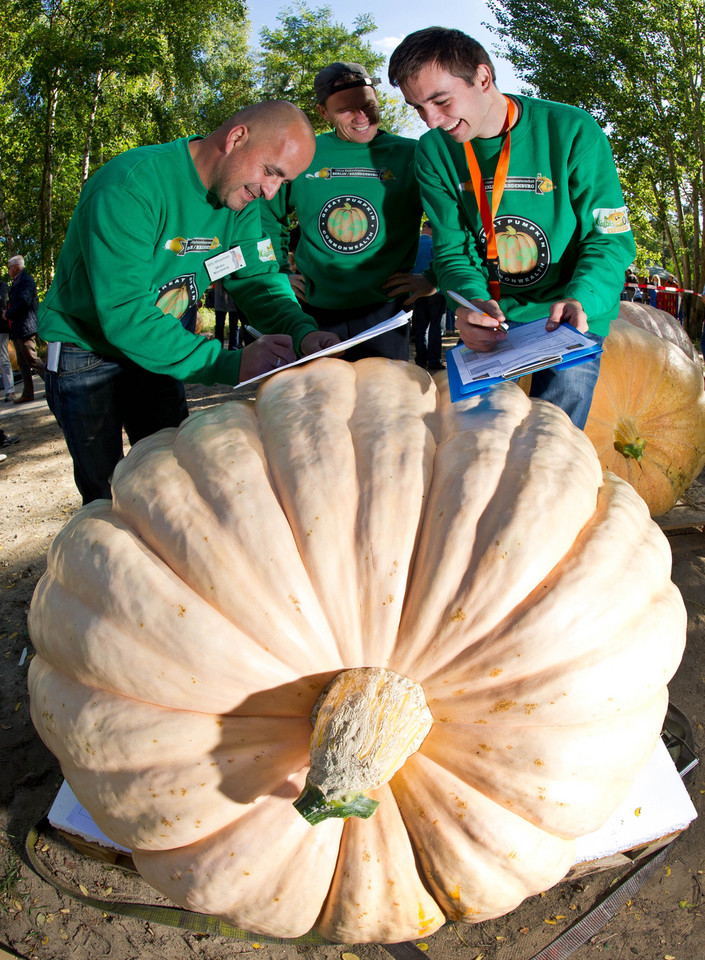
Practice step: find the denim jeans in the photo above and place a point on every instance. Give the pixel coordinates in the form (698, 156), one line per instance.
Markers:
(8, 377)
(570, 389)
(429, 313)
(93, 397)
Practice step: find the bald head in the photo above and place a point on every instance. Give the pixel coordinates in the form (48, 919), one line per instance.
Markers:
(254, 152)
(270, 117)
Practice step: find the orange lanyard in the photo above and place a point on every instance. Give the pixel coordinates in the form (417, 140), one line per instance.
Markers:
(487, 215)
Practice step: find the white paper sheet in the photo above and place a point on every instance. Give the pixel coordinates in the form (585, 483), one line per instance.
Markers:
(525, 346)
(396, 321)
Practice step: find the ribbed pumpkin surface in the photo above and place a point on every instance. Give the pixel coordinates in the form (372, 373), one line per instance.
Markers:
(658, 322)
(647, 419)
(353, 517)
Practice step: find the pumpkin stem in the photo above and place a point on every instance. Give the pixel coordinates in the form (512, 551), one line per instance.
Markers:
(366, 723)
(314, 807)
(627, 440)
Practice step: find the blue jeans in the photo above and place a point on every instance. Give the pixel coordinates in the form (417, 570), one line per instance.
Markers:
(570, 389)
(93, 397)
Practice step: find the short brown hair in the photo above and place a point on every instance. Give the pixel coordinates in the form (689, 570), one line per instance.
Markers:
(451, 50)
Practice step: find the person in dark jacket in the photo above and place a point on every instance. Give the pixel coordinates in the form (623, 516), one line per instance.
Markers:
(22, 313)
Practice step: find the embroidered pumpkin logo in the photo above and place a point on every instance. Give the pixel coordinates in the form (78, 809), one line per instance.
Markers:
(348, 224)
(176, 296)
(175, 301)
(517, 251)
(523, 250)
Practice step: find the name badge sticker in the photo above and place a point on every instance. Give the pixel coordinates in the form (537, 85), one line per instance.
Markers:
(225, 263)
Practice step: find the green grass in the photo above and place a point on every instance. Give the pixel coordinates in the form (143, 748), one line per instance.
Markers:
(10, 876)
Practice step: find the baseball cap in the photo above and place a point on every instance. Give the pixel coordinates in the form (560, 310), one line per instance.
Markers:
(341, 76)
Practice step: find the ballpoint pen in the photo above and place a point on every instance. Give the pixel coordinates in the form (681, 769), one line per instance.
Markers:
(471, 306)
(254, 332)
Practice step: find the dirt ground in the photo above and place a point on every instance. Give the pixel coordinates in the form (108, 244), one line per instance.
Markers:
(663, 921)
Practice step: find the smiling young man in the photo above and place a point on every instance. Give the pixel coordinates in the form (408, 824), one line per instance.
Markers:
(527, 210)
(153, 229)
(359, 211)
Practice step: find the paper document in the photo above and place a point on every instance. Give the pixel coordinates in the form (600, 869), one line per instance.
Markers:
(396, 321)
(527, 348)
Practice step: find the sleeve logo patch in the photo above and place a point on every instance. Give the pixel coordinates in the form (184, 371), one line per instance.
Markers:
(611, 220)
(265, 250)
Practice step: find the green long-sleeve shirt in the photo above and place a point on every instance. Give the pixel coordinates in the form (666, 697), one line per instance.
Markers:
(134, 261)
(562, 226)
(359, 210)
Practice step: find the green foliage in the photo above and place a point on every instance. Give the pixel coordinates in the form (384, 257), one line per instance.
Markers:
(84, 80)
(638, 68)
(307, 41)
(88, 79)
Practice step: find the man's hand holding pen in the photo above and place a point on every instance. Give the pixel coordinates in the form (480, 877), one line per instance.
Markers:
(270, 352)
(265, 354)
(480, 323)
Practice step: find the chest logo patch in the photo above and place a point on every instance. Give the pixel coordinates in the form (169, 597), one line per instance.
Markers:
(348, 224)
(382, 174)
(538, 184)
(523, 250)
(181, 246)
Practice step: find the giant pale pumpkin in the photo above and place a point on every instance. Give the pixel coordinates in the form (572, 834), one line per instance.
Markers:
(468, 626)
(660, 323)
(647, 419)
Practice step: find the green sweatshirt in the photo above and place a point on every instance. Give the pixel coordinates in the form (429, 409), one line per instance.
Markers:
(359, 210)
(134, 261)
(562, 227)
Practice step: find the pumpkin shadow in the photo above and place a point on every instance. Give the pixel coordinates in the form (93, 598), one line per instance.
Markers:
(262, 750)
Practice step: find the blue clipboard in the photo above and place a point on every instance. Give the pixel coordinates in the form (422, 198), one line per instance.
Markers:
(459, 390)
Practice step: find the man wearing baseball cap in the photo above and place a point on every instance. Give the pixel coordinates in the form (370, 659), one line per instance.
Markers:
(359, 212)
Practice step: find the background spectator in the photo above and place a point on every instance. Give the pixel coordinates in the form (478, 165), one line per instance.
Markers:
(21, 311)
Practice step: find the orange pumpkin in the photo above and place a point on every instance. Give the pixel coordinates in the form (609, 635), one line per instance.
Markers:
(647, 419)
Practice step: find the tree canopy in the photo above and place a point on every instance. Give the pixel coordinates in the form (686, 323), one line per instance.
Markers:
(638, 68)
(84, 80)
